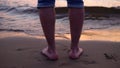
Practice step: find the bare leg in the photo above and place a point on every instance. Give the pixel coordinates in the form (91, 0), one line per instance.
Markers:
(76, 16)
(47, 17)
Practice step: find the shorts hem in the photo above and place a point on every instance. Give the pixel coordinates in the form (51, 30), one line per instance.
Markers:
(45, 6)
(75, 6)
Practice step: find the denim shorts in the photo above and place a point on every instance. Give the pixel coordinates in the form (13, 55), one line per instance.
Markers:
(51, 3)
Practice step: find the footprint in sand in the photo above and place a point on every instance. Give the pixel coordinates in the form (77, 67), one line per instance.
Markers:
(22, 49)
(64, 64)
(88, 62)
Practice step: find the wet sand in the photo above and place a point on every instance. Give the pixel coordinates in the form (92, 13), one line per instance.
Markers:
(23, 51)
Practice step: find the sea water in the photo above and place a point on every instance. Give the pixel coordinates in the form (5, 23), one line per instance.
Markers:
(22, 16)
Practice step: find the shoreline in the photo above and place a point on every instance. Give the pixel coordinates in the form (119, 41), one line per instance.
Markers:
(102, 35)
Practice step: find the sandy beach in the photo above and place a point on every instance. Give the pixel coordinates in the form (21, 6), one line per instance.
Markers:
(19, 50)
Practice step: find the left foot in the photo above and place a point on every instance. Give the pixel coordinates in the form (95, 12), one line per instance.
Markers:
(76, 53)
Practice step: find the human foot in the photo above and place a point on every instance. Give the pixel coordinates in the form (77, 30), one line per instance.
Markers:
(49, 54)
(75, 53)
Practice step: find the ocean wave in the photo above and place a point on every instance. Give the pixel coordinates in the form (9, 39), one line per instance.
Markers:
(14, 30)
(19, 9)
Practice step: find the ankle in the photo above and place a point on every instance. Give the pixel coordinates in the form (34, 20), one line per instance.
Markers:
(51, 50)
(75, 49)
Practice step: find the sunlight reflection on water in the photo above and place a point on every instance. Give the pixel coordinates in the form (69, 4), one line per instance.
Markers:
(61, 3)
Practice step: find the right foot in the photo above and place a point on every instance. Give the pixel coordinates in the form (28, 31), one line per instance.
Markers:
(76, 53)
(49, 54)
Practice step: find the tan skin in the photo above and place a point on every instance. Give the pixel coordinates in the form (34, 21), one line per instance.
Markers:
(47, 18)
